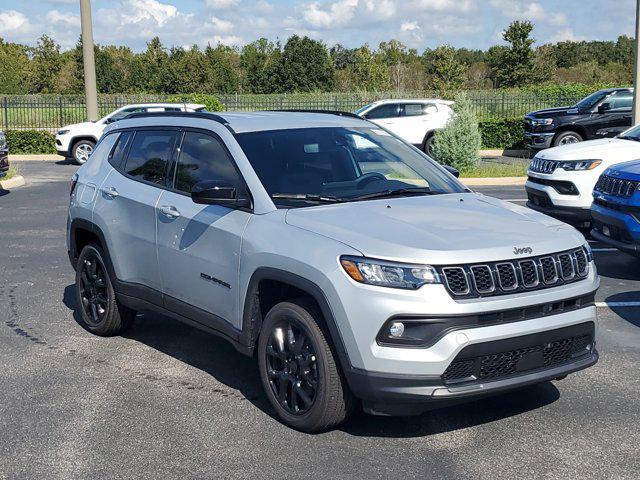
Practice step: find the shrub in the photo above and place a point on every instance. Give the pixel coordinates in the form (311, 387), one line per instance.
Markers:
(210, 101)
(30, 141)
(458, 143)
(507, 133)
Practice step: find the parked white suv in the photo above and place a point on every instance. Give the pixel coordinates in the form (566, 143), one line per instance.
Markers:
(561, 179)
(349, 264)
(415, 121)
(78, 140)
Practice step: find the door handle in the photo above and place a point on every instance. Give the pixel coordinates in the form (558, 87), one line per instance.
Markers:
(169, 211)
(110, 192)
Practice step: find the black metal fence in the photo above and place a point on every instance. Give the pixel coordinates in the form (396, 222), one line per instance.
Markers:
(50, 112)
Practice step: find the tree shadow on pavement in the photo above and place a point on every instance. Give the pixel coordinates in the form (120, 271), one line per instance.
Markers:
(219, 359)
(629, 314)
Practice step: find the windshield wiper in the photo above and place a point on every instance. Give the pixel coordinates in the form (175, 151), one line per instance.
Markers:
(629, 137)
(395, 192)
(306, 197)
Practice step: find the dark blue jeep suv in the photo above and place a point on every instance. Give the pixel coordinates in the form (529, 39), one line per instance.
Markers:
(615, 211)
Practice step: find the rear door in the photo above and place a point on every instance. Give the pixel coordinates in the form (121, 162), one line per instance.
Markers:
(127, 204)
(198, 246)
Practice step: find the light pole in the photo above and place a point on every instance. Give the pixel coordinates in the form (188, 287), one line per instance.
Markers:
(636, 69)
(89, 61)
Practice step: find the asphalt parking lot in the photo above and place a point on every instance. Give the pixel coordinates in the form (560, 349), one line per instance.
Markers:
(168, 401)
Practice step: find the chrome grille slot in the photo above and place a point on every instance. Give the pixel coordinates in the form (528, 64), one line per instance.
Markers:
(582, 264)
(616, 186)
(482, 279)
(549, 270)
(456, 279)
(566, 266)
(507, 277)
(529, 273)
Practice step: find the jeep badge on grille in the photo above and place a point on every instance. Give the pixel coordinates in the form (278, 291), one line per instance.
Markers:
(522, 251)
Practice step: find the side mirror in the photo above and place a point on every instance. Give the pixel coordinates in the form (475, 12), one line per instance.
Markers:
(452, 171)
(213, 192)
(604, 108)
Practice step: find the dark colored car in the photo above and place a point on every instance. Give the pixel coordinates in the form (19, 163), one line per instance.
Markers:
(616, 207)
(605, 113)
(4, 155)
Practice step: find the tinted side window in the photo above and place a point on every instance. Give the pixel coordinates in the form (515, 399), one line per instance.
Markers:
(149, 155)
(389, 110)
(414, 109)
(117, 154)
(621, 101)
(203, 157)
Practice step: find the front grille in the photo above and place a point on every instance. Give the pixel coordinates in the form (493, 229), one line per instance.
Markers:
(495, 365)
(540, 165)
(617, 187)
(501, 278)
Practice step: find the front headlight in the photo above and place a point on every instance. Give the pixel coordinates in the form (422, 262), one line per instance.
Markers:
(389, 274)
(3, 141)
(576, 165)
(541, 121)
(63, 132)
(588, 251)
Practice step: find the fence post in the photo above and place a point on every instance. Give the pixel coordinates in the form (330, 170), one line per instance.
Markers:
(6, 113)
(60, 111)
(236, 100)
(503, 100)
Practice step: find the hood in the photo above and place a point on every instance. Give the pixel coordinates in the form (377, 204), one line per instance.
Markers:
(80, 126)
(553, 112)
(438, 229)
(627, 170)
(604, 148)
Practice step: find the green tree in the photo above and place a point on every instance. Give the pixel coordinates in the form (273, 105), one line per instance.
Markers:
(46, 65)
(306, 66)
(260, 62)
(447, 72)
(15, 68)
(516, 65)
(370, 72)
(458, 143)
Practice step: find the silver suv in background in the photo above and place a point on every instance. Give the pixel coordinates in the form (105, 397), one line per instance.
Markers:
(351, 265)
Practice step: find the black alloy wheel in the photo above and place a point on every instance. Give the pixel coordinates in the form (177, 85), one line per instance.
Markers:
(93, 289)
(291, 367)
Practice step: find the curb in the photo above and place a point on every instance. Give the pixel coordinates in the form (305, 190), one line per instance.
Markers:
(506, 153)
(38, 157)
(14, 182)
(501, 181)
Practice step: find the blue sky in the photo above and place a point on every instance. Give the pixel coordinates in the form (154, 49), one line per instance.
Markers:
(417, 23)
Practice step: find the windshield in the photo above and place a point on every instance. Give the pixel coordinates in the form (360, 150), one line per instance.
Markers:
(588, 102)
(341, 164)
(362, 109)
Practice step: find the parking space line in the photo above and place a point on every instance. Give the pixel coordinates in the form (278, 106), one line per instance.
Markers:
(617, 304)
(516, 200)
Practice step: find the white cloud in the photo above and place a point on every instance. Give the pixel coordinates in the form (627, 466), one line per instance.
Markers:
(12, 21)
(140, 10)
(382, 9)
(566, 34)
(338, 13)
(222, 4)
(524, 10)
(457, 6)
(56, 17)
(264, 7)
(230, 40)
(221, 25)
(409, 26)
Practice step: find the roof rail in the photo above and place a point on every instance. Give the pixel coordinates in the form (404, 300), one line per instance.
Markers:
(328, 112)
(204, 115)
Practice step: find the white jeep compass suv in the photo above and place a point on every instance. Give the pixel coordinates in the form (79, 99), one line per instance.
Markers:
(561, 179)
(415, 121)
(349, 264)
(77, 141)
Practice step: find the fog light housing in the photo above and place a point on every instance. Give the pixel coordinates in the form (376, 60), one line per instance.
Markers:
(396, 329)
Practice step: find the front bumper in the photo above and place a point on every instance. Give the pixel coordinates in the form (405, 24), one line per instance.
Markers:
(541, 202)
(619, 229)
(63, 143)
(534, 358)
(4, 162)
(538, 141)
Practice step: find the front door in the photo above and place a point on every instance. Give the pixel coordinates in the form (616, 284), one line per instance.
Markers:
(615, 118)
(199, 245)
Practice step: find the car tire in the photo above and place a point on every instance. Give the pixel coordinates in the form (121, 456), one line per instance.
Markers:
(567, 138)
(428, 146)
(81, 151)
(100, 310)
(298, 369)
